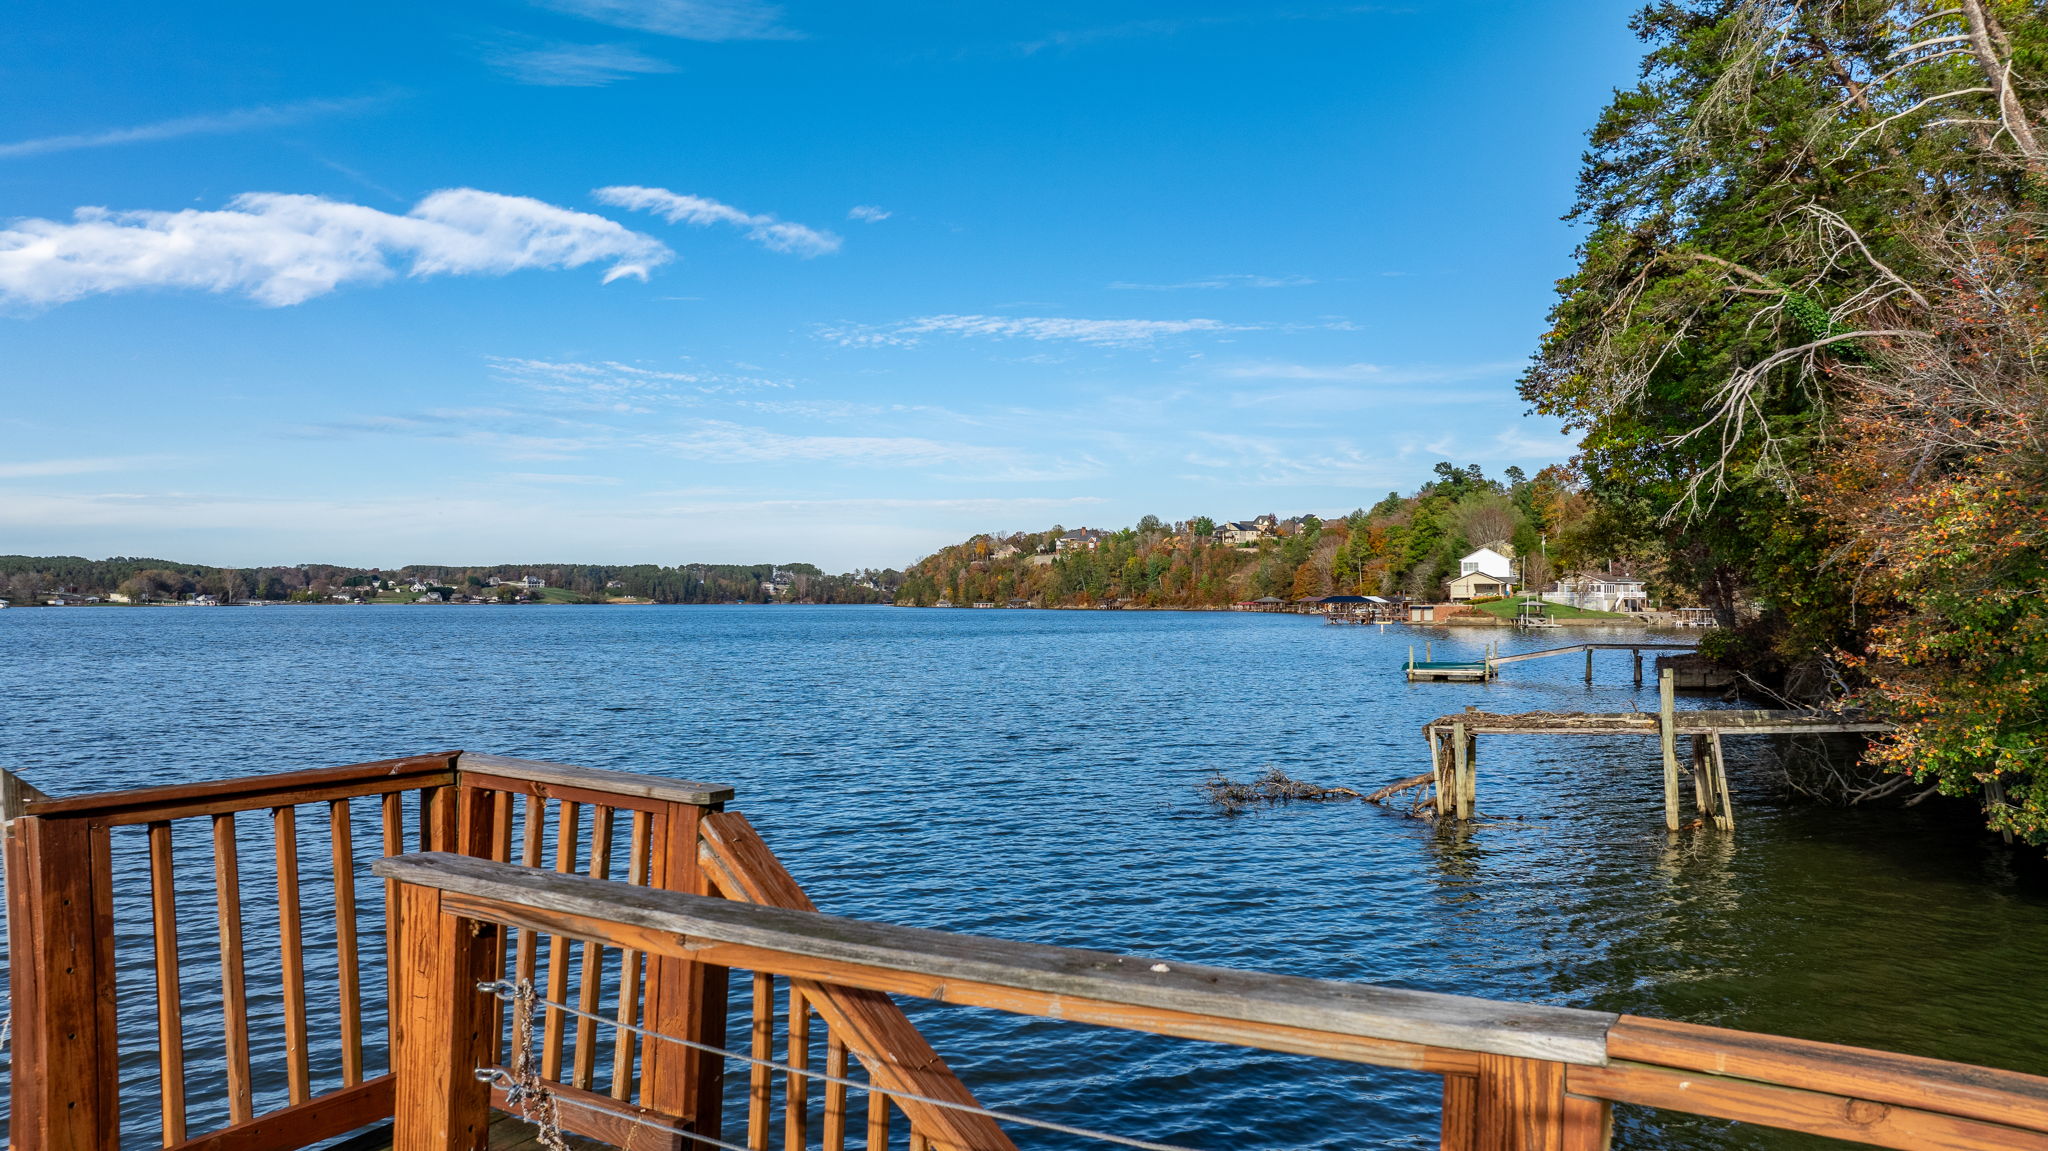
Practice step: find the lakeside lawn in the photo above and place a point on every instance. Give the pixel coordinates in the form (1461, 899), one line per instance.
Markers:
(1510, 608)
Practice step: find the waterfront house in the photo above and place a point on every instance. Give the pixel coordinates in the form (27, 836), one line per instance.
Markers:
(1236, 533)
(1600, 591)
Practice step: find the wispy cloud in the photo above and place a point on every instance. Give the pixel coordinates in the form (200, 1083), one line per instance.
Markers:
(720, 441)
(771, 233)
(574, 65)
(207, 124)
(907, 333)
(684, 19)
(38, 469)
(286, 249)
(868, 213)
(1227, 280)
(611, 385)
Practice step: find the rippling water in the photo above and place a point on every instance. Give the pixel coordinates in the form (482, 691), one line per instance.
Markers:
(1034, 775)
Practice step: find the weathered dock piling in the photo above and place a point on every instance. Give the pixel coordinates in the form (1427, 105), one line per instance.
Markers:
(1453, 746)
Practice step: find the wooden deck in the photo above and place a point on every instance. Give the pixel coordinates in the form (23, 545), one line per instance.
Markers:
(508, 1133)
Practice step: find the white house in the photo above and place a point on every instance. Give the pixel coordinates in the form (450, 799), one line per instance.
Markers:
(1485, 572)
(1600, 591)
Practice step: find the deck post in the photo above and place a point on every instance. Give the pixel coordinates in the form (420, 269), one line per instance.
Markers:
(442, 1034)
(61, 935)
(684, 997)
(1522, 1106)
(1668, 738)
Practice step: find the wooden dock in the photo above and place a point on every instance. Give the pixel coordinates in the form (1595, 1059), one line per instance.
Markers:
(1429, 669)
(1454, 748)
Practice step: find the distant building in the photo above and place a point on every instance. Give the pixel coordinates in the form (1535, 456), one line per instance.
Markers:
(1237, 532)
(1080, 539)
(1485, 572)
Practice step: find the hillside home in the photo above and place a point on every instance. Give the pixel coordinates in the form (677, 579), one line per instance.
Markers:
(1485, 572)
(1235, 533)
(1080, 539)
(1600, 591)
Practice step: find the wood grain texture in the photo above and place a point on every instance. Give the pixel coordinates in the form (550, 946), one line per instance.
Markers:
(623, 1040)
(63, 986)
(291, 946)
(2006, 1097)
(348, 961)
(216, 797)
(1131, 982)
(796, 1088)
(322, 1117)
(623, 785)
(583, 1067)
(1520, 1104)
(684, 996)
(568, 833)
(1814, 1112)
(1459, 1126)
(227, 881)
(170, 1025)
(760, 1079)
(833, 1137)
(596, 1117)
(442, 1035)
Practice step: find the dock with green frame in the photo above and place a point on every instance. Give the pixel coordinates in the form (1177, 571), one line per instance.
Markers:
(1430, 669)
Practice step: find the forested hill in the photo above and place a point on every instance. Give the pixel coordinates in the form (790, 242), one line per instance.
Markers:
(1403, 544)
(26, 580)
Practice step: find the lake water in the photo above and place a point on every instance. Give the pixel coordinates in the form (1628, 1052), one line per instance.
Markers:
(1035, 775)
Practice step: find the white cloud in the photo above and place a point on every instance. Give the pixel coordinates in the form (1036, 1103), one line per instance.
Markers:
(574, 65)
(868, 213)
(210, 124)
(765, 230)
(1228, 280)
(1100, 332)
(35, 469)
(286, 249)
(684, 19)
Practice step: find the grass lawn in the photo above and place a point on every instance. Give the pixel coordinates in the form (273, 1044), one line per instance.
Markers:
(1510, 608)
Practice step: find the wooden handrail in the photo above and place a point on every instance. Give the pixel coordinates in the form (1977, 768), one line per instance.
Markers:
(993, 972)
(1518, 1077)
(615, 785)
(225, 796)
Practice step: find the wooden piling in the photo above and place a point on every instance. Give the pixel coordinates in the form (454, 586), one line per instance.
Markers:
(1666, 718)
(1638, 654)
(1461, 749)
(1589, 664)
(1702, 785)
(1724, 806)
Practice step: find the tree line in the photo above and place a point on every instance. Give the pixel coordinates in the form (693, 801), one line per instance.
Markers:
(1403, 545)
(28, 580)
(1804, 345)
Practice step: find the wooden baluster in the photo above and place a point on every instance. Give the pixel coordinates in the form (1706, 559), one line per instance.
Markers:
(834, 1138)
(919, 1141)
(796, 1089)
(394, 844)
(629, 965)
(348, 965)
(585, 1065)
(1460, 1129)
(761, 1084)
(528, 952)
(291, 947)
(568, 830)
(501, 850)
(878, 1120)
(170, 1030)
(227, 879)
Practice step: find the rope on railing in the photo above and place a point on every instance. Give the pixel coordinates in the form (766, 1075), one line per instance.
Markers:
(514, 992)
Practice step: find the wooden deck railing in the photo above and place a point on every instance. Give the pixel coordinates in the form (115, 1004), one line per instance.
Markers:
(1517, 1077)
(276, 1037)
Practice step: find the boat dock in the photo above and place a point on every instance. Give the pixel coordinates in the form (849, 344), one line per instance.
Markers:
(1454, 747)
(1429, 669)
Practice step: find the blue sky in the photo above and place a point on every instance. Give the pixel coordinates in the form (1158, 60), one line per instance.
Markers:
(712, 280)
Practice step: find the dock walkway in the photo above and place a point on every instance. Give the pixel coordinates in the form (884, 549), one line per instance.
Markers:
(1482, 670)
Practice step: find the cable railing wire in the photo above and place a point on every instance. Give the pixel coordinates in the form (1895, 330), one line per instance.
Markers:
(514, 992)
